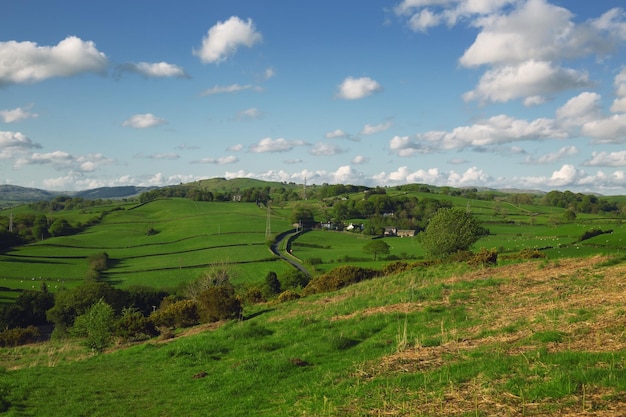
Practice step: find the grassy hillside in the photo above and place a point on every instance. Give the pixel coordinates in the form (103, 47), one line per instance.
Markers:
(537, 338)
(161, 244)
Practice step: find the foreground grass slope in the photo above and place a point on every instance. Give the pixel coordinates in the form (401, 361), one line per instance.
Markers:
(538, 338)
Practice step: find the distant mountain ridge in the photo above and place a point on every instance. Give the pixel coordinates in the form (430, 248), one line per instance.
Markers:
(15, 194)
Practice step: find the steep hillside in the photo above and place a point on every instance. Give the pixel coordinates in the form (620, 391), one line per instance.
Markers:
(538, 338)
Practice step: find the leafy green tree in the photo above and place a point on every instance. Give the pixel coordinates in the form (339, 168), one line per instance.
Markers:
(376, 247)
(96, 325)
(451, 230)
(302, 214)
(61, 227)
(219, 303)
(40, 228)
(569, 215)
(272, 284)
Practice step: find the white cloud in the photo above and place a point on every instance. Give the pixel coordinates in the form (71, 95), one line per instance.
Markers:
(493, 131)
(357, 88)
(225, 160)
(424, 20)
(143, 121)
(223, 39)
(553, 156)
(325, 149)
(172, 156)
(566, 176)
(337, 133)
(275, 145)
(12, 143)
(619, 104)
(373, 129)
(531, 79)
(607, 159)
(270, 73)
(360, 159)
(64, 160)
(155, 70)
(579, 110)
(537, 30)
(233, 88)
(27, 62)
(609, 130)
(17, 114)
(251, 113)
(235, 148)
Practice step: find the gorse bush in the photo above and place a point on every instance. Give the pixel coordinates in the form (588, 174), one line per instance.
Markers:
(18, 336)
(338, 278)
(484, 257)
(219, 303)
(182, 313)
(133, 326)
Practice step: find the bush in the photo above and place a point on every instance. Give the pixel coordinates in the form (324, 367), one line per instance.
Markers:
(18, 336)
(593, 233)
(294, 279)
(338, 278)
(133, 326)
(219, 303)
(183, 313)
(484, 257)
(96, 325)
(288, 296)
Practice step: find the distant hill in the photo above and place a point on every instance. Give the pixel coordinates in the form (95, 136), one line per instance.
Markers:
(112, 192)
(14, 194)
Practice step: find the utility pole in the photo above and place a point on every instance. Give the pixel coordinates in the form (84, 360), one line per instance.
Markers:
(304, 188)
(11, 223)
(268, 226)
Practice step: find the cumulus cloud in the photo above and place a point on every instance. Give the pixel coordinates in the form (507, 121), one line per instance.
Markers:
(225, 160)
(472, 176)
(579, 110)
(155, 70)
(619, 104)
(325, 149)
(607, 159)
(235, 148)
(251, 113)
(27, 62)
(608, 130)
(531, 79)
(172, 156)
(567, 175)
(496, 130)
(12, 143)
(223, 39)
(143, 121)
(64, 160)
(373, 129)
(360, 159)
(337, 133)
(233, 88)
(553, 156)
(275, 145)
(357, 88)
(16, 115)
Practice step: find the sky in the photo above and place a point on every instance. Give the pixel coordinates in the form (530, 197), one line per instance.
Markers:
(525, 94)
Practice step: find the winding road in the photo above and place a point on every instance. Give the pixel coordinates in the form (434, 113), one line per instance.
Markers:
(293, 260)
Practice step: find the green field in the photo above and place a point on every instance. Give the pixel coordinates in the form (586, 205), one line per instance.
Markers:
(528, 339)
(190, 237)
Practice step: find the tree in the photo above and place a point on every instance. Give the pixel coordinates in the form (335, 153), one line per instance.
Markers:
(376, 247)
(451, 230)
(302, 214)
(96, 325)
(272, 284)
(61, 227)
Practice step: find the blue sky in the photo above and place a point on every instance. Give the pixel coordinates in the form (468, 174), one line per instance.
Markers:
(467, 93)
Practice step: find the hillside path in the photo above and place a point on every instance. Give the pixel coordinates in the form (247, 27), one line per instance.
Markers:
(293, 260)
